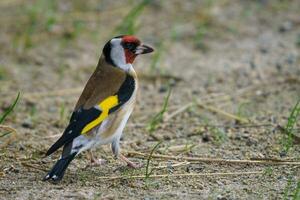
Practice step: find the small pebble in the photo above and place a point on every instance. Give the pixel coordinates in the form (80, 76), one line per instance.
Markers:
(27, 124)
(285, 26)
(205, 138)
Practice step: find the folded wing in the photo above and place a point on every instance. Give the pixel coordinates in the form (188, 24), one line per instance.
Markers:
(84, 120)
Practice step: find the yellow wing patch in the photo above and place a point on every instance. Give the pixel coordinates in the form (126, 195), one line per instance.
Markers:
(105, 106)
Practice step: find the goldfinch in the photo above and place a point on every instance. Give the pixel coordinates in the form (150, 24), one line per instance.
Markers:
(104, 106)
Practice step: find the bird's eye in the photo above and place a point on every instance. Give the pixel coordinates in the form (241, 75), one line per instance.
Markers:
(129, 46)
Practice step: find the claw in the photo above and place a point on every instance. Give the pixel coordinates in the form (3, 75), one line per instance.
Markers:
(130, 163)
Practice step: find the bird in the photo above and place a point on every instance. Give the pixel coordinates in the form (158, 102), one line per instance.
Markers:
(104, 106)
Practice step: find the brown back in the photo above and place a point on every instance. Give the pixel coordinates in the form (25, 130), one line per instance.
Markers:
(104, 82)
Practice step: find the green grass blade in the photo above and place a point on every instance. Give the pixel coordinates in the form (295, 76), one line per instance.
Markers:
(296, 195)
(289, 128)
(148, 171)
(293, 117)
(4, 134)
(159, 116)
(128, 25)
(10, 109)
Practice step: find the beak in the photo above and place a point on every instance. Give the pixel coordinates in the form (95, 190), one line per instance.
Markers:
(143, 49)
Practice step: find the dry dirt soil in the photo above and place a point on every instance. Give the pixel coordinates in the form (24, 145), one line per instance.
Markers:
(233, 66)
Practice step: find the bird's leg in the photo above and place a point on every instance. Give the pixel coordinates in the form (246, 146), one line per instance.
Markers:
(94, 160)
(115, 146)
(130, 163)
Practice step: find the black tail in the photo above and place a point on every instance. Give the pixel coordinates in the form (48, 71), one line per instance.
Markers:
(58, 170)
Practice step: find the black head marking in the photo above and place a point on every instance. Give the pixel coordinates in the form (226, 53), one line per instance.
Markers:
(106, 52)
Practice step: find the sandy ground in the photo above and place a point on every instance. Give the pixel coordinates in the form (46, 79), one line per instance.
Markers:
(237, 57)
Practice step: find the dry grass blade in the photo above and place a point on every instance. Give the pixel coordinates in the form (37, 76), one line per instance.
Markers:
(173, 165)
(27, 165)
(177, 148)
(12, 135)
(207, 107)
(183, 175)
(178, 111)
(222, 98)
(8, 128)
(52, 136)
(222, 112)
(217, 160)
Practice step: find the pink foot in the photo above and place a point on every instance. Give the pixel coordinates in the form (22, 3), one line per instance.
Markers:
(130, 163)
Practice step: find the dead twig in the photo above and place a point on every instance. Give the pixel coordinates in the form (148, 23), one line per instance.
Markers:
(207, 107)
(12, 135)
(182, 175)
(217, 160)
(178, 111)
(32, 166)
(173, 165)
(177, 148)
(239, 126)
(52, 136)
(8, 128)
(222, 98)
(222, 112)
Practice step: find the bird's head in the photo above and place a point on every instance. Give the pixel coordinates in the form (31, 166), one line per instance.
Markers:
(121, 51)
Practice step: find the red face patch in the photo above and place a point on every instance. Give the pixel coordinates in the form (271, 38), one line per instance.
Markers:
(129, 54)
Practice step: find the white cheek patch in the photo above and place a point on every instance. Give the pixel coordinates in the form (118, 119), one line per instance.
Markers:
(117, 54)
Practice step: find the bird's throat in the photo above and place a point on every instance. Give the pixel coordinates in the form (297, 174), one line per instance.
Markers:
(129, 56)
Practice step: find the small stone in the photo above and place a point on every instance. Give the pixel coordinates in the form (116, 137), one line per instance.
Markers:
(278, 67)
(291, 59)
(250, 142)
(167, 137)
(252, 64)
(21, 147)
(220, 197)
(282, 154)
(162, 89)
(264, 50)
(27, 124)
(285, 26)
(195, 92)
(205, 138)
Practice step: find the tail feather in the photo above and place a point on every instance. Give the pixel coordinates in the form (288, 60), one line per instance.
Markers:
(58, 170)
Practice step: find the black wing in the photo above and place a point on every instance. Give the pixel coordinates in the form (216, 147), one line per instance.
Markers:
(78, 121)
(82, 117)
